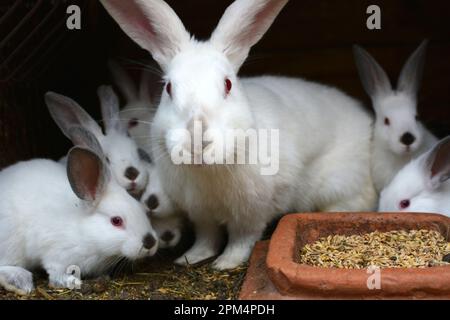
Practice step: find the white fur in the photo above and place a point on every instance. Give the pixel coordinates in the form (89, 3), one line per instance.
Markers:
(166, 207)
(399, 106)
(44, 224)
(120, 150)
(166, 217)
(168, 226)
(324, 134)
(415, 182)
(137, 113)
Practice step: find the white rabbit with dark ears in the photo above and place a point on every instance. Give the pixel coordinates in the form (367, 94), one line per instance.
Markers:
(324, 134)
(67, 218)
(122, 152)
(138, 111)
(398, 134)
(422, 185)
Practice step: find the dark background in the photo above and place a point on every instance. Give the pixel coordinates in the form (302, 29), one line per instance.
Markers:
(310, 39)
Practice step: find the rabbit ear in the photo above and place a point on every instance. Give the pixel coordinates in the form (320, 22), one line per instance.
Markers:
(109, 103)
(152, 24)
(374, 80)
(87, 174)
(437, 163)
(242, 25)
(412, 72)
(84, 138)
(67, 113)
(123, 81)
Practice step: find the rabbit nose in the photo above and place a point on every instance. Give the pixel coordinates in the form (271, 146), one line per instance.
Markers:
(149, 241)
(167, 236)
(131, 173)
(407, 139)
(152, 202)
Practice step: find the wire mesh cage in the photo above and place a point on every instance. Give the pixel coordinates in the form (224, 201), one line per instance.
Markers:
(36, 54)
(39, 53)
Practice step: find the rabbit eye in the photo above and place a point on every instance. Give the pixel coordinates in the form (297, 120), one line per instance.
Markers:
(107, 160)
(169, 88)
(133, 123)
(387, 121)
(228, 86)
(404, 204)
(117, 221)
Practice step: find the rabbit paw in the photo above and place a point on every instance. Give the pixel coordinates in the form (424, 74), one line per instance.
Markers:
(65, 281)
(196, 254)
(230, 259)
(17, 280)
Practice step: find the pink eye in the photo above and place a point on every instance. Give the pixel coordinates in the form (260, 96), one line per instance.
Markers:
(228, 86)
(117, 222)
(404, 204)
(133, 123)
(169, 88)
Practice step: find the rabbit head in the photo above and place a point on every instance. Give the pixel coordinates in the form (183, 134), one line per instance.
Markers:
(116, 222)
(137, 113)
(396, 124)
(202, 92)
(168, 230)
(121, 152)
(154, 197)
(419, 186)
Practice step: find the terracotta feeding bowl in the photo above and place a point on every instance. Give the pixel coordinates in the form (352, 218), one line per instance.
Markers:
(296, 280)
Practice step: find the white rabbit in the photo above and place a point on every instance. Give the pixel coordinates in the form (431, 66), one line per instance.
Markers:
(138, 111)
(324, 135)
(422, 185)
(127, 162)
(398, 134)
(67, 219)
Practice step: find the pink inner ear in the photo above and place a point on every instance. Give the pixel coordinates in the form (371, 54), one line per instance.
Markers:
(264, 16)
(130, 16)
(85, 173)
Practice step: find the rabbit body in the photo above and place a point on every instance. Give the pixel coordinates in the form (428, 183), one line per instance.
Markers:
(398, 135)
(324, 156)
(66, 219)
(422, 185)
(324, 135)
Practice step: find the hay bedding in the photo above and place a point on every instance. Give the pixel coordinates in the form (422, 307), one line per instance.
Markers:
(153, 280)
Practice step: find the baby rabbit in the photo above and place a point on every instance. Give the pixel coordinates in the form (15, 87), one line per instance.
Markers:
(422, 185)
(167, 219)
(66, 218)
(321, 161)
(122, 154)
(168, 230)
(137, 113)
(398, 134)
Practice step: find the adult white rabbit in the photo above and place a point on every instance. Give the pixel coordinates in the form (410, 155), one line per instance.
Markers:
(398, 134)
(126, 161)
(66, 219)
(324, 135)
(138, 111)
(422, 185)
